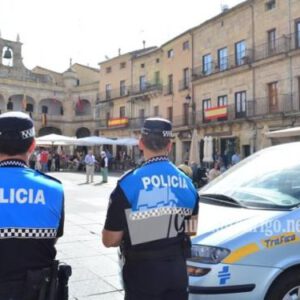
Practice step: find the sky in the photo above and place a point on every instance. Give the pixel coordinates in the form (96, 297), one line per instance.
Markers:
(53, 31)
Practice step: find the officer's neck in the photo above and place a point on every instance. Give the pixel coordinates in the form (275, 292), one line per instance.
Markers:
(150, 154)
(23, 157)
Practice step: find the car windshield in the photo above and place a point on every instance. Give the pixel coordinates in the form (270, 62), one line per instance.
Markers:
(268, 178)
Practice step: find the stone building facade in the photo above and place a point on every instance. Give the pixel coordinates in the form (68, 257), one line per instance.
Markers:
(233, 78)
(61, 103)
(245, 75)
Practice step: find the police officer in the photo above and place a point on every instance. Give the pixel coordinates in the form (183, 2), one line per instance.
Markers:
(31, 213)
(147, 217)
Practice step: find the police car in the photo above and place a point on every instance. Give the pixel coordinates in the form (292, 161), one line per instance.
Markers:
(248, 242)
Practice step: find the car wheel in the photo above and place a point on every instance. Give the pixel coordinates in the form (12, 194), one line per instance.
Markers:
(285, 287)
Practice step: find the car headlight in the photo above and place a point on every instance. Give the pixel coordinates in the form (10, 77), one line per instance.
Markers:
(208, 254)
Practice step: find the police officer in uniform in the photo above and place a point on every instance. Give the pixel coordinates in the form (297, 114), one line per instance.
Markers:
(148, 214)
(31, 214)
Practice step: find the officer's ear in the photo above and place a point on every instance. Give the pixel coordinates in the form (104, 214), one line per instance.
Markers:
(169, 147)
(32, 147)
(141, 144)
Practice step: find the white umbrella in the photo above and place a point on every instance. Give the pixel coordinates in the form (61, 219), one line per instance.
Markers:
(194, 150)
(205, 149)
(128, 141)
(94, 141)
(289, 132)
(55, 139)
(210, 149)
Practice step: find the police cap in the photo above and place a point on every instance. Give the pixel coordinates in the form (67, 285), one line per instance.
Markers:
(16, 126)
(158, 126)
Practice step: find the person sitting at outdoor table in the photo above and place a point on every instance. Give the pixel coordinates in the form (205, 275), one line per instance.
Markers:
(214, 172)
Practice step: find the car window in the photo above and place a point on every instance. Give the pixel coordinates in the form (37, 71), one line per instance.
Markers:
(269, 177)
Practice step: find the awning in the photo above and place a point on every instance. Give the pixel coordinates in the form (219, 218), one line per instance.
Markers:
(289, 132)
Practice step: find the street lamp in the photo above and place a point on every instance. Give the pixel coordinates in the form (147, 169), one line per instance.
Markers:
(189, 99)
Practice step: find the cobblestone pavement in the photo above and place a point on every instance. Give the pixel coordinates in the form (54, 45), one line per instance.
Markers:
(95, 268)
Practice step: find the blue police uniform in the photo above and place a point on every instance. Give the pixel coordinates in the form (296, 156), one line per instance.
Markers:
(31, 216)
(151, 204)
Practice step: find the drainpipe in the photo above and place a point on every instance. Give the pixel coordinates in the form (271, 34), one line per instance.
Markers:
(192, 86)
(253, 51)
(131, 87)
(254, 137)
(290, 58)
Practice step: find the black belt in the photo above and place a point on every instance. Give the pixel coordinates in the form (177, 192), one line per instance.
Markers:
(175, 251)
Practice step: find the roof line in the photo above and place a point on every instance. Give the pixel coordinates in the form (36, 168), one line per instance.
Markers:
(88, 67)
(47, 70)
(129, 53)
(244, 3)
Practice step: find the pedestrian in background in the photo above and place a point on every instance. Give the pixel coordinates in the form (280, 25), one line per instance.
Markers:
(104, 166)
(32, 160)
(90, 161)
(236, 158)
(44, 160)
(214, 172)
(148, 216)
(57, 161)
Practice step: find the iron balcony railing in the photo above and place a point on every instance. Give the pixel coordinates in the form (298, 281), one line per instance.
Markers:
(184, 84)
(271, 48)
(224, 64)
(282, 104)
(114, 93)
(146, 88)
(258, 107)
(102, 123)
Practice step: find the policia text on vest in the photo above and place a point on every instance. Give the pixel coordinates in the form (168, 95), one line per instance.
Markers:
(146, 217)
(31, 219)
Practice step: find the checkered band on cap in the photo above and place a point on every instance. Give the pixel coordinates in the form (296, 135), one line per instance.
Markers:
(29, 133)
(161, 211)
(28, 233)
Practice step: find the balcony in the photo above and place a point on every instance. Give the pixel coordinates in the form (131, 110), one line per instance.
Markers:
(148, 87)
(186, 119)
(262, 106)
(183, 84)
(272, 48)
(137, 123)
(102, 123)
(226, 64)
(105, 105)
(114, 94)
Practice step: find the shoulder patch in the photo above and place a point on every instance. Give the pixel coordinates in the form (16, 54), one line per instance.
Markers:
(48, 176)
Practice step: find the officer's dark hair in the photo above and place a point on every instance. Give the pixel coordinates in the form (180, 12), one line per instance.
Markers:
(15, 147)
(155, 142)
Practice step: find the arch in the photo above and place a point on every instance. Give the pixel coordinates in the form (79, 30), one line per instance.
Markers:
(51, 106)
(49, 130)
(83, 107)
(82, 132)
(20, 103)
(9, 62)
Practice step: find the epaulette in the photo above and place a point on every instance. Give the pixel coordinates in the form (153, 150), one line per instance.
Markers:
(126, 174)
(48, 176)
